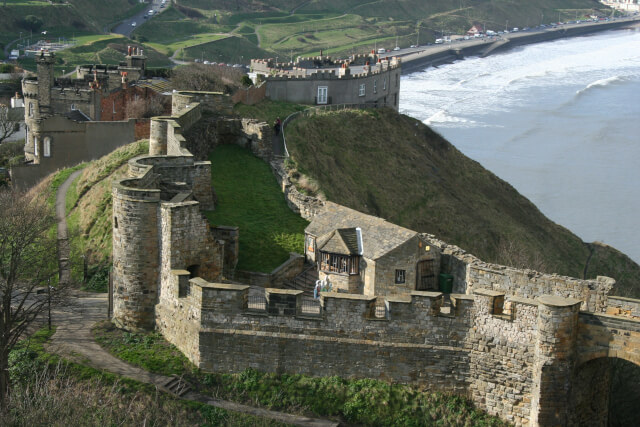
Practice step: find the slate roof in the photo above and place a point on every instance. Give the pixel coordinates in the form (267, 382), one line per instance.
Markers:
(77, 116)
(343, 241)
(378, 236)
(156, 84)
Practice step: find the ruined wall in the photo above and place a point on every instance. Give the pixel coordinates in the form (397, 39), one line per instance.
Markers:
(187, 243)
(248, 133)
(306, 206)
(470, 273)
(230, 235)
(251, 95)
(212, 102)
(196, 175)
(621, 306)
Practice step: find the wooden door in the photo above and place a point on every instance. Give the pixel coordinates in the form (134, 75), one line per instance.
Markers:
(426, 276)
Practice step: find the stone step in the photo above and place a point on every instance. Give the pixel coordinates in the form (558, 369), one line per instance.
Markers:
(176, 386)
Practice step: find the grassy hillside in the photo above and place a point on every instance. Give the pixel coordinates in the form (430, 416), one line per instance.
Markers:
(62, 19)
(287, 28)
(395, 167)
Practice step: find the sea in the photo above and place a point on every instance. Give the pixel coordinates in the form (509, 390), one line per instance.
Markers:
(559, 121)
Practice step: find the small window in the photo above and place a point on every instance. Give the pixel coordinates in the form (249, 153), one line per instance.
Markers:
(311, 244)
(114, 106)
(115, 222)
(36, 151)
(362, 90)
(31, 109)
(384, 84)
(46, 149)
(397, 80)
(73, 107)
(375, 86)
(400, 276)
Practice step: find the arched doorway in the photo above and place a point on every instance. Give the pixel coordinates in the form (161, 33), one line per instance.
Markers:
(605, 392)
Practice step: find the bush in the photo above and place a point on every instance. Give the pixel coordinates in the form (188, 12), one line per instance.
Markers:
(98, 278)
(32, 22)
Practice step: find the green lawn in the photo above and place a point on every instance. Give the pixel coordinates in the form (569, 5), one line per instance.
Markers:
(249, 197)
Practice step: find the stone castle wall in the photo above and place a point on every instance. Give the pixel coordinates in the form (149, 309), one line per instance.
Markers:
(496, 357)
(470, 272)
(212, 102)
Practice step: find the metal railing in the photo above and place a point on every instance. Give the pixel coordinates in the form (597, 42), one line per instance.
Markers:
(257, 303)
(380, 311)
(310, 306)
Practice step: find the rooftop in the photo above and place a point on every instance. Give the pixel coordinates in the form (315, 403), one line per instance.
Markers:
(378, 235)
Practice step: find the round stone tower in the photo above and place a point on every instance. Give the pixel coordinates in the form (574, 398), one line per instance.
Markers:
(158, 137)
(135, 255)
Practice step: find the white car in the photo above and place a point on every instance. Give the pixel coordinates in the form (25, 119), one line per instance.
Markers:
(133, 24)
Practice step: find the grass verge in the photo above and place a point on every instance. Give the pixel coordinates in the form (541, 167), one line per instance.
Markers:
(249, 197)
(48, 390)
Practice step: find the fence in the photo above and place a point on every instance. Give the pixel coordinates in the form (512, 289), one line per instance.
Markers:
(257, 303)
(310, 306)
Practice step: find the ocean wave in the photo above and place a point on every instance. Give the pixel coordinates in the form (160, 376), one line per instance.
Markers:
(600, 83)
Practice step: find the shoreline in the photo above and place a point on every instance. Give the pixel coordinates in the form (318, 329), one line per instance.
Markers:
(431, 56)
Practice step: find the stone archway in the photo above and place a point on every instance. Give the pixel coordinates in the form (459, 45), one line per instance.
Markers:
(605, 392)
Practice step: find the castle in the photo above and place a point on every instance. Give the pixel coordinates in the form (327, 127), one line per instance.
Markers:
(372, 80)
(520, 344)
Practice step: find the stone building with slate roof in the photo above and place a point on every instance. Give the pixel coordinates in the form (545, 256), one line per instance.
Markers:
(364, 254)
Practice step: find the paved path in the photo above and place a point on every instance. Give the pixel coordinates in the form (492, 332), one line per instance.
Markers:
(63, 238)
(73, 339)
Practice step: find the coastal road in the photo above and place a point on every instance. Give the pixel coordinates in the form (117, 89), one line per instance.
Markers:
(126, 28)
(409, 54)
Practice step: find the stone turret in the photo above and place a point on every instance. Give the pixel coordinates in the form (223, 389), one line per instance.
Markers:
(45, 61)
(554, 359)
(135, 255)
(158, 137)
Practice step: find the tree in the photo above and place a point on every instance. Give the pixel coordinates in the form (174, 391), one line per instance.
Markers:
(146, 107)
(32, 22)
(27, 264)
(9, 122)
(214, 78)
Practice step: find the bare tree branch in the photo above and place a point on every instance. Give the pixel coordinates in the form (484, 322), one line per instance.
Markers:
(28, 266)
(9, 122)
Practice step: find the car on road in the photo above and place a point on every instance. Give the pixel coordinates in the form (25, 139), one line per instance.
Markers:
(133, 24)
(413, 45)
(396, 48)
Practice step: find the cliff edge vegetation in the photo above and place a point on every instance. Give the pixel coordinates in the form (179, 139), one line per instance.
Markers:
(395, 167)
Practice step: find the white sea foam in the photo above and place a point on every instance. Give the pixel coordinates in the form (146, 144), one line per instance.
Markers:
(600, 82)
(575, 156)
